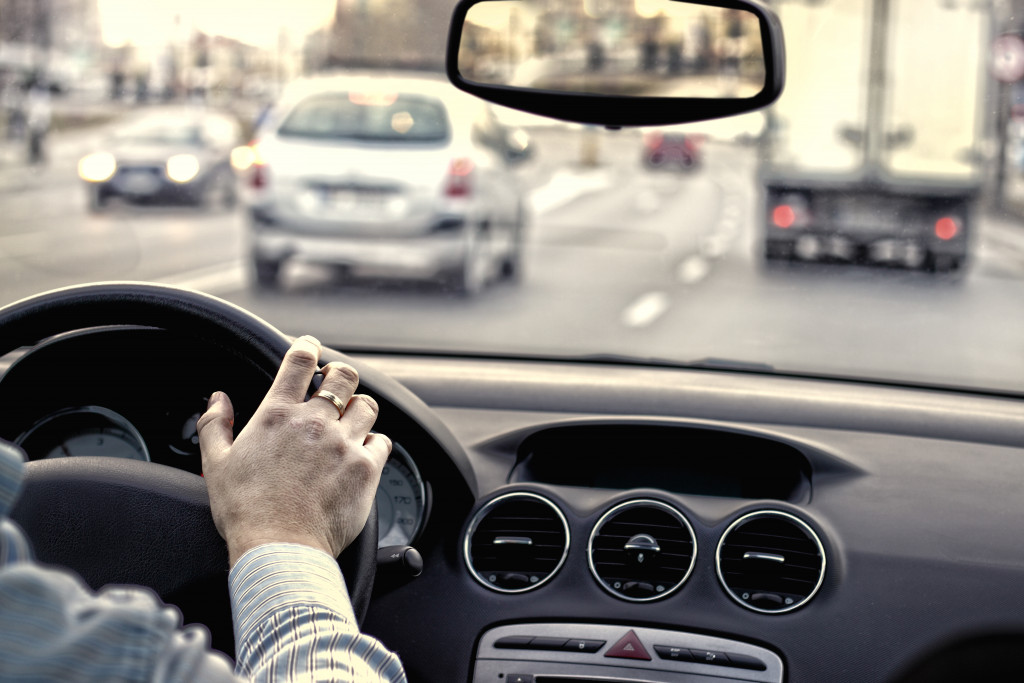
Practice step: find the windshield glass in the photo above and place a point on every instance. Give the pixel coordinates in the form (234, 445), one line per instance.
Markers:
(869, 224)
(366, 116)
(159, 132)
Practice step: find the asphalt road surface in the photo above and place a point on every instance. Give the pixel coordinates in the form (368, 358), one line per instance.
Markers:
(619, 260)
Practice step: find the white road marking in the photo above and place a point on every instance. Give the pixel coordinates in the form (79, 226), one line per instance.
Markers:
(566, 186)
(693, 269)
(223, 277)
(713, 246)
(731, 211)
(645, 310)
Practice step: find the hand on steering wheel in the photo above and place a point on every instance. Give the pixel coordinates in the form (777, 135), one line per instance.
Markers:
(301, 471)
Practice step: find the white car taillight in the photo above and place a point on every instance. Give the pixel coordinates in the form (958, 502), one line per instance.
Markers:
(459, 182)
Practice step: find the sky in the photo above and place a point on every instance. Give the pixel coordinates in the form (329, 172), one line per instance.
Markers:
(155, 23)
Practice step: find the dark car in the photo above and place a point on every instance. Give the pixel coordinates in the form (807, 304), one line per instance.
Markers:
(175, 156)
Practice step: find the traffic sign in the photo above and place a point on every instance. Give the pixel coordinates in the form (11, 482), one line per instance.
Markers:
(1008, 58)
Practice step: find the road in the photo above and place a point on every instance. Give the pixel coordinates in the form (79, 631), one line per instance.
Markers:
(619, 261)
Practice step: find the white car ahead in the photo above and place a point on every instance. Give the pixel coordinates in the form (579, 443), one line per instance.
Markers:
(389, 175)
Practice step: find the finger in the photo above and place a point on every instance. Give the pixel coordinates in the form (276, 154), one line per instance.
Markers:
(360, 414)
(214, 428)
(296, 370)
(379, 447)
(340, 379)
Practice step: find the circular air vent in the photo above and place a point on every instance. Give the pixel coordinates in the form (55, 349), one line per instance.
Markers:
(642, 550)
(770, 561)
(516, 542)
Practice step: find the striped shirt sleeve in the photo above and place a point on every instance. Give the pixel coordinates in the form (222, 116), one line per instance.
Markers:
(294, 622)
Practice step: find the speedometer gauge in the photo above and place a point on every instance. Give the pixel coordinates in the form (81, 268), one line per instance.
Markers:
(401, 500)
(88, 430)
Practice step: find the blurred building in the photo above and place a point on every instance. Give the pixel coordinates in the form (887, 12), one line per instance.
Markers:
(375, 33)
(55, 39)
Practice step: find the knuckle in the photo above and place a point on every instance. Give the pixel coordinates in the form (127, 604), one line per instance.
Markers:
(344, 371)
(313, 427)
(367, 401)
(207, 418)
(363, 470)
(275, 415)
(301, 356)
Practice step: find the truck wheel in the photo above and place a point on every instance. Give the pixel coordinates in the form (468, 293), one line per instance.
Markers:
(944, 263)
(777, 250)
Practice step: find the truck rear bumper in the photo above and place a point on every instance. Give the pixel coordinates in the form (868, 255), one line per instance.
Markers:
(855, 225)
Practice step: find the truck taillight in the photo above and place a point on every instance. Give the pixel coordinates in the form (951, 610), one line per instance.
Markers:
(653, 139)
(460, 178)
(783, 216)
(947, 227)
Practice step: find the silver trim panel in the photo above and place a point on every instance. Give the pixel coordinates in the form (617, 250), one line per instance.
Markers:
(756, 515)
(496, 665)
(482, 512)
(641, 502)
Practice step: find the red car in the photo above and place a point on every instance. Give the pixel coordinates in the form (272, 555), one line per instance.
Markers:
(672, 150)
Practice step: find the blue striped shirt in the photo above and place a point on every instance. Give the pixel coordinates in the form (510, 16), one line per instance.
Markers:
(293, 620)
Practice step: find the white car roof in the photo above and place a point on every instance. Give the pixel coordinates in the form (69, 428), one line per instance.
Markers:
(435, 85)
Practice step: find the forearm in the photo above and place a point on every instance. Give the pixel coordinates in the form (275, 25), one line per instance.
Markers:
(294, 621)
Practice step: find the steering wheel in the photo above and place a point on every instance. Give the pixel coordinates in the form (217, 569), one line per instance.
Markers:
(132, 522)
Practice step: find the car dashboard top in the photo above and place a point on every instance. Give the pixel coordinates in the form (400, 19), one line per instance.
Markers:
(628, 523)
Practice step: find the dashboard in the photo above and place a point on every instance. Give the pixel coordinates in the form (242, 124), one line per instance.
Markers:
(585, 522)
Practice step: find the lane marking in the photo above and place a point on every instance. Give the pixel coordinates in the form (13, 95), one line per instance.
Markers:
(566, 186)
(223, 277)
(645, 309)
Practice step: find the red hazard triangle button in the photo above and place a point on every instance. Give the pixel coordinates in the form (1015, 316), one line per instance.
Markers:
(628, 647)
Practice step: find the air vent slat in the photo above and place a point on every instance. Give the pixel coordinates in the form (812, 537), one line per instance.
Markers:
(635, 574)
(514, 568)
(765, 585)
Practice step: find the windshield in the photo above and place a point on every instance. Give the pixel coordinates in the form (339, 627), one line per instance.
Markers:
(367, 116)
(869, 224)
(159, 132)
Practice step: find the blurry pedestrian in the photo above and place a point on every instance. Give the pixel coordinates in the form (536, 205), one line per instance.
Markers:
(38, 116)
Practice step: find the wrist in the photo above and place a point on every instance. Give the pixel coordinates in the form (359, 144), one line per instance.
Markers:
(240, 546)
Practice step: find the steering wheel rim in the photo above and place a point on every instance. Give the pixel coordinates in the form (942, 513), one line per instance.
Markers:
(167, 496)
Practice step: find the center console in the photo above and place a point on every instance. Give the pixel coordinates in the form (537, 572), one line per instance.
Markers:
(578, 653)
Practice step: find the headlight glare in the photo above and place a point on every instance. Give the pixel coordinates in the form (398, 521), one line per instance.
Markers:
(98, 167)
(182, 168)
(242, 157)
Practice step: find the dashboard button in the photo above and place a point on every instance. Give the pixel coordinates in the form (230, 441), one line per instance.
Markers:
(628, 647)
(677, 654)
(581, 645)
(519, 678)
(710, 657)
(547, 643)
(746, 662)
(513, 642)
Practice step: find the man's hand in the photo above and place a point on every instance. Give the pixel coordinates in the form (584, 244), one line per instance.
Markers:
(300, 472)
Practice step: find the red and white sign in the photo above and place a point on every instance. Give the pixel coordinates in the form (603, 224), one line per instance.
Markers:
(1008, 58)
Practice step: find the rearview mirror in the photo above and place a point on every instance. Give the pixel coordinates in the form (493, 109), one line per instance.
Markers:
(618, 62)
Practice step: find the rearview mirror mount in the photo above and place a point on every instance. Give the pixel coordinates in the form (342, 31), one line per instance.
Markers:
(618, 62)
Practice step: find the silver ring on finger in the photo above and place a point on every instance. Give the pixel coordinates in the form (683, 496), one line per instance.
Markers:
(338, 403)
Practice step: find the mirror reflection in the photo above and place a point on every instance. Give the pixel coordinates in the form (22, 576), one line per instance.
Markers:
(643, 48)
